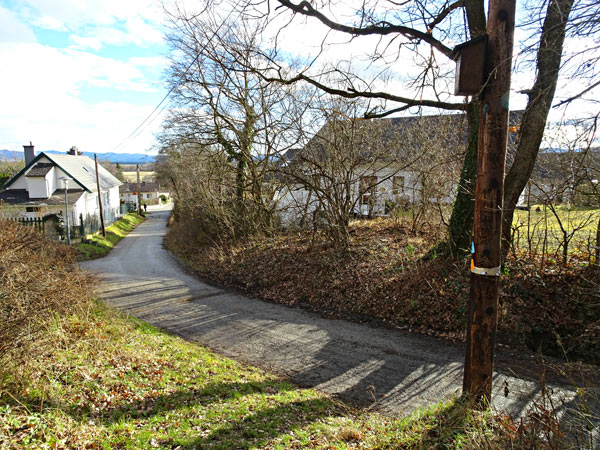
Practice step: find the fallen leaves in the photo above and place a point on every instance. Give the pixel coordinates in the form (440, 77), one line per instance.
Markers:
(383, 278)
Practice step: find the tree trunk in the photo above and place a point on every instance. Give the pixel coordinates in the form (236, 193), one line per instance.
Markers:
(534, 119)
(493, 129)
(240, 181)
(461, 220)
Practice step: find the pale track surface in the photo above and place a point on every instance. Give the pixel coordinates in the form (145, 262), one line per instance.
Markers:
(392, 371)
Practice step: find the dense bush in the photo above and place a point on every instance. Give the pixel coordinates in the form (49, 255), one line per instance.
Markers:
(38, 280)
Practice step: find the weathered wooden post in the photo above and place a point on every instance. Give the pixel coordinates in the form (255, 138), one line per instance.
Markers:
(489, 189)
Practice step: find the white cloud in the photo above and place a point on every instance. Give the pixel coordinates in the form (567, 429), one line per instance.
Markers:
(142, 32)
(50, 23)
(96, 128)
(98, 23)
(51, 95)
(135, 31)
(84, 43)
(12, 29)
(45, 106)
(149, 61)
(75, 13)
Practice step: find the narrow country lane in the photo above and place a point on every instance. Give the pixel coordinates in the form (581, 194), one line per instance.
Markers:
(391, 370)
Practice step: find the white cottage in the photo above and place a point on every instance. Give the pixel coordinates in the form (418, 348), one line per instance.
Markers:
(386, 163)
(39, 189)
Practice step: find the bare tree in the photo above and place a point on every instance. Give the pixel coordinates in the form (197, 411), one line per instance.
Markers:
(421, 32)
(342, 171)
(244, 122)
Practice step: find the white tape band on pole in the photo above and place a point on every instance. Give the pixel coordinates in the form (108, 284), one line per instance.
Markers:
(488, 271)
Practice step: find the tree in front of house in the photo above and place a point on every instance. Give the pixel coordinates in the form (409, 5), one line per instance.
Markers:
(423, 33)
(229, 118)
(9, 169)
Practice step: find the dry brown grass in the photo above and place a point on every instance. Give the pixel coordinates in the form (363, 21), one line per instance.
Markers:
(39, 281)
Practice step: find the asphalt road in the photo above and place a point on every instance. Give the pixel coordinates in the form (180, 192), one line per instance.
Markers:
(389, 370)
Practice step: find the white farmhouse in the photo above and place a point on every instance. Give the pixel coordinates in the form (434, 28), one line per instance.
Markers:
(377, 165)
(39, 189)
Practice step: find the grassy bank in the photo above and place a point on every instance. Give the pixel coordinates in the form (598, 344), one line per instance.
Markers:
(106, 381)
(114, 233)
(77, 375)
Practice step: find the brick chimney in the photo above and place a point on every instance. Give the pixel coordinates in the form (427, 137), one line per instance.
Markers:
(29, 153)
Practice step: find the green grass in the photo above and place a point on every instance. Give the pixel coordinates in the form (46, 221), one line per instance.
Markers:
(582, 221)
(106, 381)
(114, 233)
(132, 176)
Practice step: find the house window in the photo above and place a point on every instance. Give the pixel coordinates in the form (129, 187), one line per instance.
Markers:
(367, 187)
(33, 209)
(397, 185)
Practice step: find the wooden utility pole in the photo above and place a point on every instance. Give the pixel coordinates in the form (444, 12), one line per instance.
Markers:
(139, 194)
(99, 197)
(489, 190)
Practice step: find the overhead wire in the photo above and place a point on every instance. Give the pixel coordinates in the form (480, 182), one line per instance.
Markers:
(140, 128)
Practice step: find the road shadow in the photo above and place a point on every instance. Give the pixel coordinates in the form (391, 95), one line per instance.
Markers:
(388, 370)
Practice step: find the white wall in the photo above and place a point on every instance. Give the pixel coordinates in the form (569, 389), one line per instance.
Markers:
(80, 208)
(53, 183)
(293, 202)
(113, 197)
(112, 208)
(37, 187)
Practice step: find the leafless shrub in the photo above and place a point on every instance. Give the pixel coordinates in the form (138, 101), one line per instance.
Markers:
(38, 280)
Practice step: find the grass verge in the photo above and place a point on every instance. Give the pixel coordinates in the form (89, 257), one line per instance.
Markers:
(106, 381)
(114, 233)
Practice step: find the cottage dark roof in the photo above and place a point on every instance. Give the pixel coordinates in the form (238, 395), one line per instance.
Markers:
(80, 168)
(398, 136)
(40, 170)
(144, 187)
(21, 198)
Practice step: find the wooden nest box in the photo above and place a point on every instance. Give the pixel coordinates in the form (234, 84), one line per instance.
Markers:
(470, 60)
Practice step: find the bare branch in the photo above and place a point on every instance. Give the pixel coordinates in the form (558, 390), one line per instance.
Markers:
(576, 96)
(444, 13)
(380, 28)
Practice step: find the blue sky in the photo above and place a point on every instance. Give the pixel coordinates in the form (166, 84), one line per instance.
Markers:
(82, 73)
(88, 72)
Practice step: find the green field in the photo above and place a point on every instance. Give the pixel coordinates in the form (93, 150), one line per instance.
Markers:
(131, 177)
(540, 224)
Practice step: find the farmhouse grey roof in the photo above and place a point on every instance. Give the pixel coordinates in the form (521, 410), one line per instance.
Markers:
(144, 187)
(21, 197)
(399, 136)
(83, 169)
(40, 170)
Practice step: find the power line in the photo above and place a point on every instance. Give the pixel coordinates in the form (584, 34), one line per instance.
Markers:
(135, 133)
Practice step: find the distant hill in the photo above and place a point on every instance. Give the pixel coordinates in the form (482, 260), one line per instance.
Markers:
(10, 155)
(122, 158)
